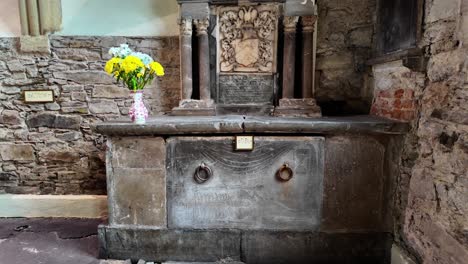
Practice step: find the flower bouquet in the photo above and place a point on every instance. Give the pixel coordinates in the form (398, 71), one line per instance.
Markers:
(135, 70)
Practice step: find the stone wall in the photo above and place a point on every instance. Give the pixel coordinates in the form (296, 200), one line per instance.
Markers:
(432, 200)
(344, 44)
(49, 148)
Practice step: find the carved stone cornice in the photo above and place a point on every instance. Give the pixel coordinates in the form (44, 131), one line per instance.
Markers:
(186, 27)
(308, 23)
(290, 23)
(202, 26)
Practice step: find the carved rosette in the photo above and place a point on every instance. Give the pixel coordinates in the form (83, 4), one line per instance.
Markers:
(186, 26)
(247, 38)
(308, 23)
(202, 26)
(290, 23)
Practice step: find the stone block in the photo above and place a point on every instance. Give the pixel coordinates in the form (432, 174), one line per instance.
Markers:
(78, 96)
(145, 152)
(308, 247)
(10, 90)
(138, 197)
(17, 152)
(77, 54)
(360, 37)
(137, 164)
(53, 121)
(52, 106)
(59, 155)
(85, 77)
(443, 9)
(244, 191)
(10, 117)
(16, 66)
(69, 136)
(72, 88)
(341, 60)
(110, 91)
(163, 244)
(445, 64)
(354, 185)
(97, 106)
(299, 8)
(37, 44)
(195, 10)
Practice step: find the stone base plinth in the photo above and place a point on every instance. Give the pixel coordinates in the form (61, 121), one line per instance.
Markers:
(306, 107)
(195, 108)
(249, 246)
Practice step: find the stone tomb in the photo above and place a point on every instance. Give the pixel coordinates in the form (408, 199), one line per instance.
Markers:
(179, 191)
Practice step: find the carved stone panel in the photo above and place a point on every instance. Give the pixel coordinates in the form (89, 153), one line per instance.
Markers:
(247, 38)
(244, 190)
(246, 89)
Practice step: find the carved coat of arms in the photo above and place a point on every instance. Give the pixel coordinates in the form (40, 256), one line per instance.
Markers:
(247, 38)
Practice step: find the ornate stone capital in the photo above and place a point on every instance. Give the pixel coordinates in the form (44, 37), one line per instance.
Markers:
(308, 23)
(186, 26)
(202, 26)
(290, 23)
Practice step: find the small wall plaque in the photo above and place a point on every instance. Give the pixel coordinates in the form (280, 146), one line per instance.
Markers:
(244, 143)
(39, 96)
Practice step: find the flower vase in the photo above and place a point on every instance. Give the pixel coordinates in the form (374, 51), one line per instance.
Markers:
(138, 112)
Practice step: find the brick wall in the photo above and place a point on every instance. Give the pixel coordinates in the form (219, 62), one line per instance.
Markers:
(49, 148)
(432, 200)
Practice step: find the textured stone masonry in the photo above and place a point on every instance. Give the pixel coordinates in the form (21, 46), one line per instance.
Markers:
(432, 201)
(48, 148)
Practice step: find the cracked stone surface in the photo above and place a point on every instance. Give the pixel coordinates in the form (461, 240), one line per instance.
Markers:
(49, 241)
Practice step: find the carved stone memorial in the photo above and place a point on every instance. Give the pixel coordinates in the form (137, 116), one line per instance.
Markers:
(304, 190)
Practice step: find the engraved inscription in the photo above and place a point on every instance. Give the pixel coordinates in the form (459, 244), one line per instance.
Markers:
(244, 192)
(246, 89)
(247, 38)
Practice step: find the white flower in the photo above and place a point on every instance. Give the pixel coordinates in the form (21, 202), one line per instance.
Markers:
(121, 52)
(145, 58)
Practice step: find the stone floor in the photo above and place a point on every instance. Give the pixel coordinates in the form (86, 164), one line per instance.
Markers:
(53, 241)
(49, 240)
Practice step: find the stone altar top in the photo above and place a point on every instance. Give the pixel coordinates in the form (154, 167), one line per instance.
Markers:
(236, 124)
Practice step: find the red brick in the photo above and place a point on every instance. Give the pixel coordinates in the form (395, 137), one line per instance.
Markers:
(399, 93)
(403, 115)
(397, 103)
(408, 104)
(409, 94)
(385, 93)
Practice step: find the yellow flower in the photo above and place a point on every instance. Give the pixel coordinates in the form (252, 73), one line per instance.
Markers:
(157, 68)
(139, 74)
(110, 64)
(131, 63)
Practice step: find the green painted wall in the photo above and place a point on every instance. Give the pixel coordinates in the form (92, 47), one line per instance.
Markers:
(103, 18)
(120, 17)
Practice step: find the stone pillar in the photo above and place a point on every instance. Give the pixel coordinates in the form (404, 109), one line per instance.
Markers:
(290, 24)
(33, 17)
(308, 25)
(305, 106)
(186, 58)
(204, 58)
